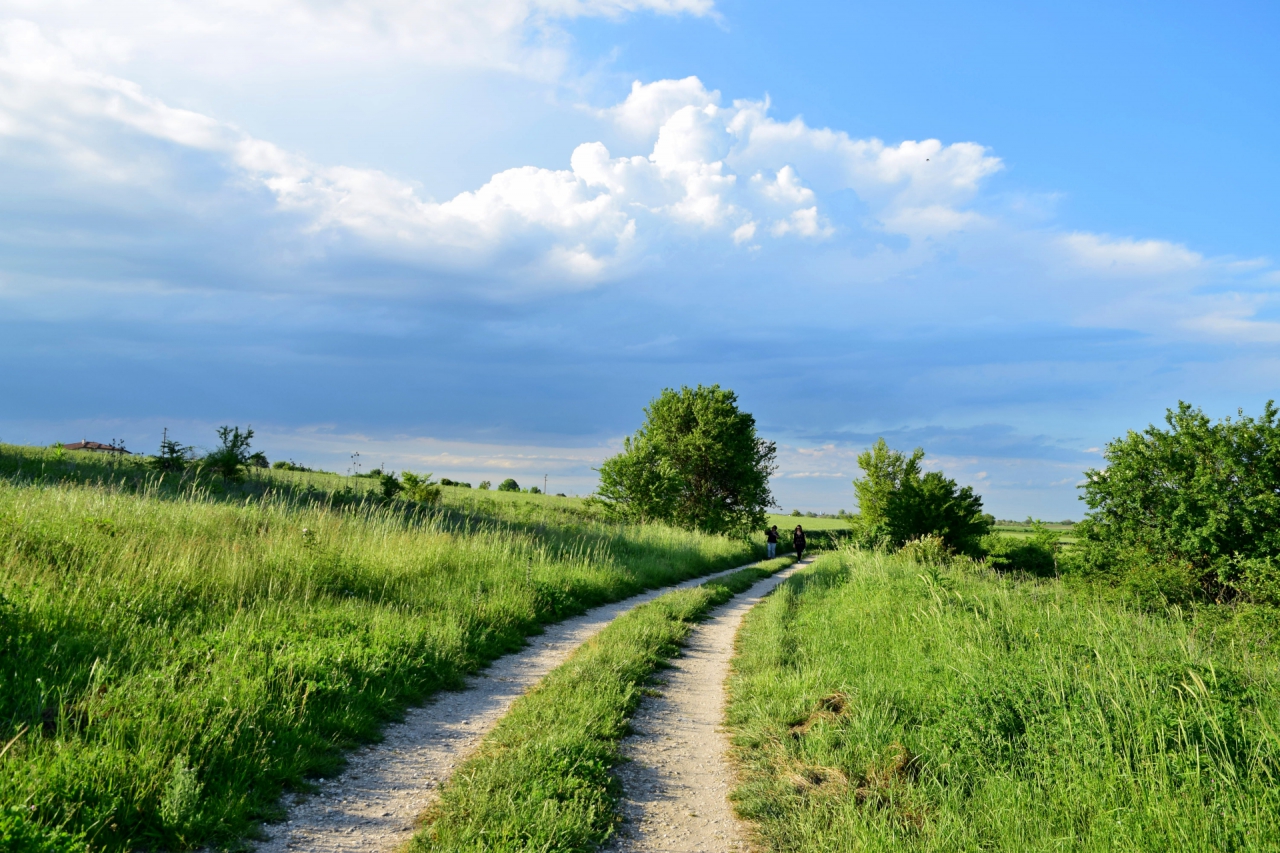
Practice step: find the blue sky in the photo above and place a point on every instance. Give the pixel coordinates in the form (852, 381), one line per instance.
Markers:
(475, 238)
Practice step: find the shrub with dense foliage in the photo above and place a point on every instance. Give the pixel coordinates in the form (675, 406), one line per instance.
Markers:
(1036, 554)
(697, 462)
(389, 485)
(1194, 505)
(419, 488)
(173, 455)
(445, 481)
(899, 502)
(232, 455)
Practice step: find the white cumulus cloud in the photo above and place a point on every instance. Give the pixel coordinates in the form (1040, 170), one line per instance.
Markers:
(238, 38)
(1124, 256)
(726, 178)
(582, 222)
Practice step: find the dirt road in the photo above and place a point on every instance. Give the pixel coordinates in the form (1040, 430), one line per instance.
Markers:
(676, 784)
(373, 804)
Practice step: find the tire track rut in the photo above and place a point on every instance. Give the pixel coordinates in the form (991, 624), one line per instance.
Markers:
(676, 783)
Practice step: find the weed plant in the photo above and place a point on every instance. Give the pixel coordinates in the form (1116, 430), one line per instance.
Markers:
(881, 704)
(541, 780)
(170, 661)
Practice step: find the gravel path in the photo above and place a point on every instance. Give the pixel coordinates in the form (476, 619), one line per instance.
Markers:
(676, 785)
(374, 804)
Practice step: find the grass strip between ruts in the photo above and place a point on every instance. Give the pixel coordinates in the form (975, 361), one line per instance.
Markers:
(541, 780)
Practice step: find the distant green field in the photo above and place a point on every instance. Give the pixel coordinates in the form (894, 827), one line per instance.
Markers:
(1065, 531)
(789, 522)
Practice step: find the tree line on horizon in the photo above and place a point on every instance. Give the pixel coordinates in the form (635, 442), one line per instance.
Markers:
(1190, 511)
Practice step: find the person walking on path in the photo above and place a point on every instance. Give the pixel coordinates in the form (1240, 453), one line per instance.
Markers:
(797, 539)
(771, 541)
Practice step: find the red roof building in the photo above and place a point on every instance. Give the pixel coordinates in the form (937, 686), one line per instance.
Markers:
(96, 447)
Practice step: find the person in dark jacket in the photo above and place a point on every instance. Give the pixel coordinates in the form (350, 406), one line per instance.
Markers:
(797, 539)
(771, 541)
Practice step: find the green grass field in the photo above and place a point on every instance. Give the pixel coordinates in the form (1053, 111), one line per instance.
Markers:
(789, 522)
(175, 654)
(882, 705)
(1026, 531)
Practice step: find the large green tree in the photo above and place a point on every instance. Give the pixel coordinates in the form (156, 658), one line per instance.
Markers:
(697, 462)
(898, 502)
(1199, 494)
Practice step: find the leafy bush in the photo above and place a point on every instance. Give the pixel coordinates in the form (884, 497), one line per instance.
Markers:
(484, 485)
(1156, 584)
(534, 490)
(1258, 578)
(697, 462)
(420, 489)
(508, 485)
(232, 457)
(173, 455)
(1152, 581)
(898, 503)
(281, 465)
(1034, 555)
(1199, 499)
(389, 486)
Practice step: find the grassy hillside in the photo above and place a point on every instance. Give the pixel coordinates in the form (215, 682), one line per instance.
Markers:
(175, 653)
(49, 465)
(878, 704)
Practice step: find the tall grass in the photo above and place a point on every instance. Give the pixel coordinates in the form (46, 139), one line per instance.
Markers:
(170, 662)
(877, 704)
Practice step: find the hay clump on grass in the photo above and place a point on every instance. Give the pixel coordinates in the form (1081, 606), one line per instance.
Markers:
(829, 708)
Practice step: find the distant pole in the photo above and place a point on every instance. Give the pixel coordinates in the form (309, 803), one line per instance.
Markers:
(544, 484)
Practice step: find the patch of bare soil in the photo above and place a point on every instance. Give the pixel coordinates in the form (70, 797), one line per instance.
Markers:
(676, 784)
(375, 803)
